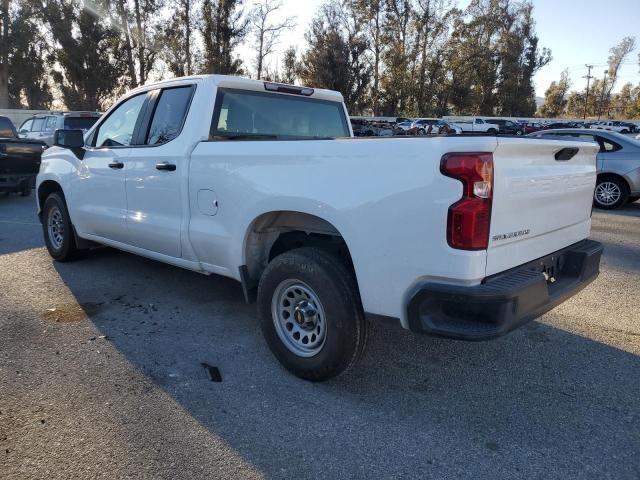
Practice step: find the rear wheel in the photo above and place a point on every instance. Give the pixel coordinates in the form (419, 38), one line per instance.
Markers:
(422, 132)
(311, 314)
(611, 193)
(492, 131)
(57, 229)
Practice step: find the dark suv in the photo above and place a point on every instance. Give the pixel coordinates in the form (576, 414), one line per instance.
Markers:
(507, 127)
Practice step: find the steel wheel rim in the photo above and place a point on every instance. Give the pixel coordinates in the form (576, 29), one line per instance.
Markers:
(608, 193)
(55, 227)
(299, 318)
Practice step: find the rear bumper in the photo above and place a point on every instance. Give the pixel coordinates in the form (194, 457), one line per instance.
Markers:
(507, 300)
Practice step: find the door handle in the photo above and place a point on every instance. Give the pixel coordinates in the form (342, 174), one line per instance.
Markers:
(116, 165)
(169, 167)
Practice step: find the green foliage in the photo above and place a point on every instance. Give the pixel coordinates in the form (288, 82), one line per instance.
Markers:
(87, 52)
(555, 98)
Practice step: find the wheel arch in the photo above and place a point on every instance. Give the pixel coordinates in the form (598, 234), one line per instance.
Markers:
(278, 231)
(45, 189)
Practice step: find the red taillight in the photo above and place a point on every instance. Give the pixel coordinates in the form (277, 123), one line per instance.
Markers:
(470, 217)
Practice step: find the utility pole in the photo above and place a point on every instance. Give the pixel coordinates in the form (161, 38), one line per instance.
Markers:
(586, 98)
(604, 87)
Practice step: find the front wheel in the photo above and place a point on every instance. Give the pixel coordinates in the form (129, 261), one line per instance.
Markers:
(610, 193)
(519, 133)
(492, 131)
(57, 229)
(310, 313)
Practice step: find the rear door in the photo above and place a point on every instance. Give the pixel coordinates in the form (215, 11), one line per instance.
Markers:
(540, 204)
(154, 174)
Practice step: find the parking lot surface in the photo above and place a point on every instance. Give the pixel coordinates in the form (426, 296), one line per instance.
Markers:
(102, 376)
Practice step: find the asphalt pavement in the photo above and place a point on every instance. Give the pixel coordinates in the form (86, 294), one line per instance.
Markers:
(103, 375)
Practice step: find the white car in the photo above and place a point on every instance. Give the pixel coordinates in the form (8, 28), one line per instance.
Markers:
(455, 236)
(42, 126)
(613, 126)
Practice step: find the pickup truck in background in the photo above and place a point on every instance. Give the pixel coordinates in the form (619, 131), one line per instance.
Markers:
(477, 125)
(453, 236)
(612, 126)
(19, 160)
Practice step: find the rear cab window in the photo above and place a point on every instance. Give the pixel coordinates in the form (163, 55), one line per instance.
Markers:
(244, 114)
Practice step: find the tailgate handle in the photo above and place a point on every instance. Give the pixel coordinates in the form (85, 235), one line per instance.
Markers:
(566, 154)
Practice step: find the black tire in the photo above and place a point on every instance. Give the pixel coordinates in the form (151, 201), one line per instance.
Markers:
(612, 184)
(65, 249)
(492, 131)
(421, 132)
(624, 132)
(335, 288)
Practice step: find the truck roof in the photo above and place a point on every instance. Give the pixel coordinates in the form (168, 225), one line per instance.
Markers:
(229, 81)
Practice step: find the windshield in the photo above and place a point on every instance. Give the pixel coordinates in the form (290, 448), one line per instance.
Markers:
(79, 123)
(248, 113)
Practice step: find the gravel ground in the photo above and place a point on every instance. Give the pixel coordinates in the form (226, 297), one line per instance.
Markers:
(101, 376)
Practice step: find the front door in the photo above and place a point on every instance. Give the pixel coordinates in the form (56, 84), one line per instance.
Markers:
(156, 171)
(99, 194)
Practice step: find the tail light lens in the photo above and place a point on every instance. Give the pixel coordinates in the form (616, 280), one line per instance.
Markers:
(470, 217)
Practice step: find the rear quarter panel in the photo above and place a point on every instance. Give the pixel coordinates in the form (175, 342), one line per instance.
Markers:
(385, 196)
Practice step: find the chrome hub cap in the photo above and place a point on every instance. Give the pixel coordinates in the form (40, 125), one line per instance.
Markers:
(299, 318)
(607, 193)
(55, 227)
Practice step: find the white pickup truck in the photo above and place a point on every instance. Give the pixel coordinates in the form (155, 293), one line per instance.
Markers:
(459, 237)
(612, 126)
(477, 125)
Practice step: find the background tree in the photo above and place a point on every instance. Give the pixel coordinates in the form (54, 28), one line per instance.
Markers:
(290, 66)
(180, 51)
(23, 57)
(87, 53)
(224, 26)
(555, 98)
(617, 55)
(335, 57)
(267, 32)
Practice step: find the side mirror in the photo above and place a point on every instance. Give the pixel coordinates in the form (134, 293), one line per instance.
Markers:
(71, 139)
(24, 131)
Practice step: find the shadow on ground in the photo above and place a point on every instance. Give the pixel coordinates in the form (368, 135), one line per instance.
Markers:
(540, 402)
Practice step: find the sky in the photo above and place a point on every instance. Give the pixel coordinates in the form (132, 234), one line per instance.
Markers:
(578, 32)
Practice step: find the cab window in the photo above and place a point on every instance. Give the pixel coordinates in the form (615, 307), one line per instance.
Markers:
(169, 115)
(117, 129)
(478, 120)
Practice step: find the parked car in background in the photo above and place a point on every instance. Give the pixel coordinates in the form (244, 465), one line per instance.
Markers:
(553, 125)
(508, 127)
(425, 126)
(448, 128)
(477, 125)
(612, 126)
(42, 126)
(530, 127)
(362, 128)
(19, 160)
(618, 163)
(210, 174)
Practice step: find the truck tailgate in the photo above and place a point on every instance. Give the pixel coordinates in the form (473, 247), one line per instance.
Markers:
(540, 204)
